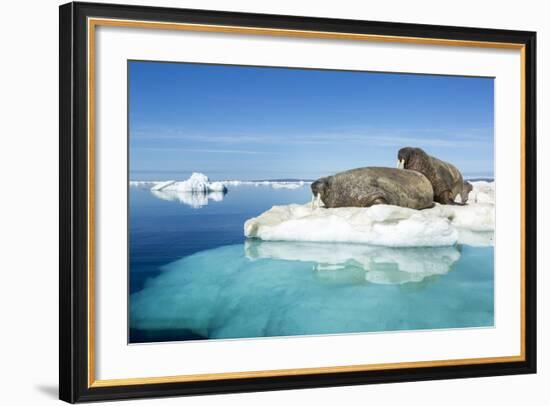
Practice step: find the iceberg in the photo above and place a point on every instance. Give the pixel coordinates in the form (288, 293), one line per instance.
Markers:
(382, 225)
(197, 182)
(195, 191)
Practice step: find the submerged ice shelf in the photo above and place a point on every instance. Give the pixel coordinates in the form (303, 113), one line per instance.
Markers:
(264, 289)
(383, 265)
(383, 225)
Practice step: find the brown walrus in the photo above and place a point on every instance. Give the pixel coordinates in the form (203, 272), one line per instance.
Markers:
(445, 178)
(364, 187)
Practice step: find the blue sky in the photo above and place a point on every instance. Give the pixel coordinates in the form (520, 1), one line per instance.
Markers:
(236, 122)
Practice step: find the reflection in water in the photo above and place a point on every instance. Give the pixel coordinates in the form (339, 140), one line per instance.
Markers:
(193, 199)
(263, 289)
(384, 265)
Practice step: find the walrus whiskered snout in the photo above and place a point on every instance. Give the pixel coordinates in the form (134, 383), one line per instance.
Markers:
(404, 156)
(319, 186)
(411, 158)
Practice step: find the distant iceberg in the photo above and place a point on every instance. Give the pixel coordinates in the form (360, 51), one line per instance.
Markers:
(197, 183)
(275, 184)
(383, 225)
(143, 183)
(287, 185)
(195, 191)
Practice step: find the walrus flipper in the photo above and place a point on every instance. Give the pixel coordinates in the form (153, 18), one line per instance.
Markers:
(446, 197)
(379, 200)
(428, 207)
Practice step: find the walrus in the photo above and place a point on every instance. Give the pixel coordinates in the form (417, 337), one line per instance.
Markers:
(364, 187)
(445, 178)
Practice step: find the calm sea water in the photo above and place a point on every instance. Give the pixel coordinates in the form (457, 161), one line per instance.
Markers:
(193, 276)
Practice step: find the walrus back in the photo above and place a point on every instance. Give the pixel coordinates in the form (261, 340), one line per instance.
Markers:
(363, 187)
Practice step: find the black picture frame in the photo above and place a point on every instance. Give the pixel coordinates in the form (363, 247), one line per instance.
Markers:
(74, 385)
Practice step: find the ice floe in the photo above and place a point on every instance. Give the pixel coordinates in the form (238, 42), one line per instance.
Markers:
(383, 225)
(483, 192)
(143, 183)
(275, 184)
(286, 185)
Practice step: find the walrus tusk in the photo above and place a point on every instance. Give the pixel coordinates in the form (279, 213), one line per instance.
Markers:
(316, 201)
(458, 198)
(401, 164)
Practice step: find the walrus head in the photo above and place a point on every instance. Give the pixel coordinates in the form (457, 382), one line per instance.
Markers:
(411, 158)
(319, 188)
(417, 160)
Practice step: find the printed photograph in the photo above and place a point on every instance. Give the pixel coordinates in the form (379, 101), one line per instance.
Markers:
(274, 202)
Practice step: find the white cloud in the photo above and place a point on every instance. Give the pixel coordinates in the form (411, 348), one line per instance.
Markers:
(384, 138)
(207, 150)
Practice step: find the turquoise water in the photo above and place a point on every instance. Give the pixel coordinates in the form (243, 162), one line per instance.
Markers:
(193, 276)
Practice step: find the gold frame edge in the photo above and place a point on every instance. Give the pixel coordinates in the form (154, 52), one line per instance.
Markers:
(93, 22)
